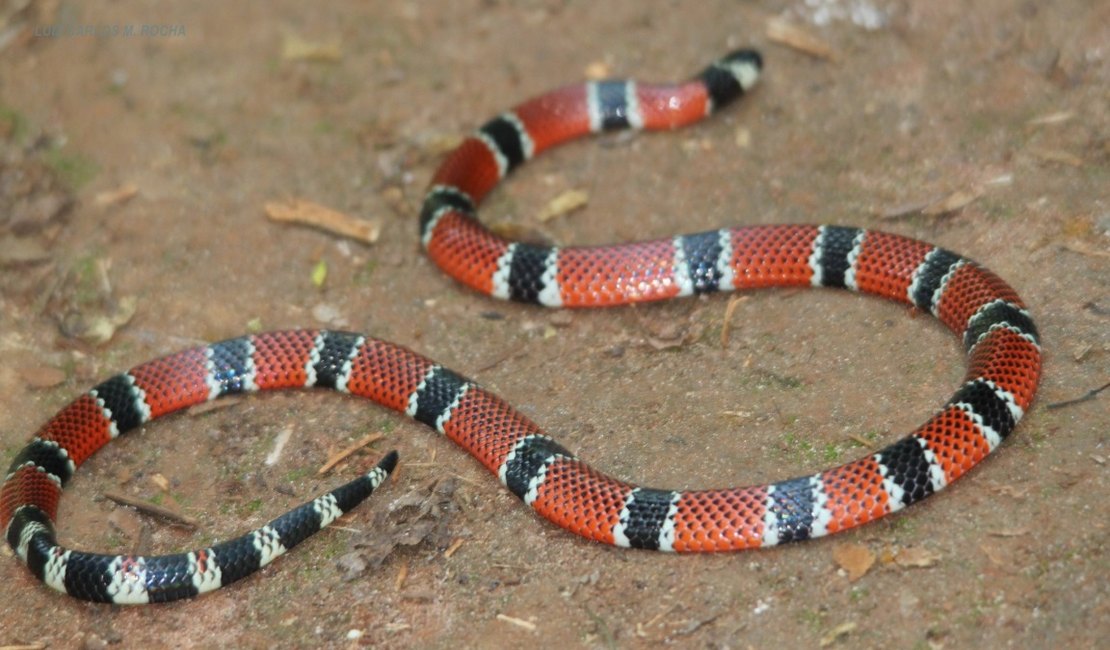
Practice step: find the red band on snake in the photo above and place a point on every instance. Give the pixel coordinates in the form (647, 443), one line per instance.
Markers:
(997, 331)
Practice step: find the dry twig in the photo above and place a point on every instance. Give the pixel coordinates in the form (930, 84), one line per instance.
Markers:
(733, 303)
(148, 508)
(339, 457)
(455, 546)
(402, 574)
(318, 216)
(519, 622)
(1091, 394)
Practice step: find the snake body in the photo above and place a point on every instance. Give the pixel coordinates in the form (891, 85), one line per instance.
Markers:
(997, 331)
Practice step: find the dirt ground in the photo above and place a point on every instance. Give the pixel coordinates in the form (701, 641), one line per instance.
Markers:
(135, 173)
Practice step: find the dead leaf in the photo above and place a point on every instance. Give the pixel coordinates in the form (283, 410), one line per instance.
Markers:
(916, 557)
(351, 565)
(520, 233)
(117, 196)
(33, 196)
(855, 559)
(1080, 226)
(85, 305)
(1056, 156)
(295, 48)
(441, 144)
(662, 333)
(660, 344)
(598, 70)
(837, 633)
(903, 210)
(995, 555)
(41, 376)
(781, 31)
(952, 203)
(278, 447)
(1010, 490)
(1059, 117)
(127, 522)
(97, 328)
(421, 516)
(691, 626)
(394, 197)
(161, 481)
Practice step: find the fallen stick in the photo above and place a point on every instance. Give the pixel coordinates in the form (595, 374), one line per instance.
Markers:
(318, 216)
(1078, 400)
(338, 458)
(519, 622)
(148, 508)
(733, 303)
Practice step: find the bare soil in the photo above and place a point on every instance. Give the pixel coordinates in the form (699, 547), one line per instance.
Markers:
(999, 108)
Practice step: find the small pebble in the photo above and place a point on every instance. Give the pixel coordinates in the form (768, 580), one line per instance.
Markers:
(329, 314)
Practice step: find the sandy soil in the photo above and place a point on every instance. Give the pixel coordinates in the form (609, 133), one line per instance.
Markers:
(1001, 108)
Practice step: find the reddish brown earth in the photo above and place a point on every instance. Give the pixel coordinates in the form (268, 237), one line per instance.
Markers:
(999, 107)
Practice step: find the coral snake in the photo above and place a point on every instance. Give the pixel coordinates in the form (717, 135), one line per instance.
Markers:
(999, 336)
